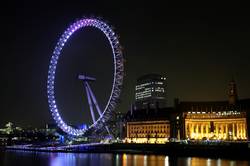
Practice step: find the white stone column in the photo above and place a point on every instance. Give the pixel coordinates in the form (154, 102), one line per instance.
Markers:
(202, 134)
(233, 131)
(192, 127)
(244, 130)
(207, 130)
(186, 129)
(217, 130)
(241, 130)
(237, 128)
(222, 130)
(227, 131)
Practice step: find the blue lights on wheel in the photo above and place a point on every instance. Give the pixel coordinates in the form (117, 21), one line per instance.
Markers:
(117, 75)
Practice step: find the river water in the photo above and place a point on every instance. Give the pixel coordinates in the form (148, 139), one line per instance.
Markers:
(25, 158)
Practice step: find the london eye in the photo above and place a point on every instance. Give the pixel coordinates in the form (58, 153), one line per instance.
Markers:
(99, 122)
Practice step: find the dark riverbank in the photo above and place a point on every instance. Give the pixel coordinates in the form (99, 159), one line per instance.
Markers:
(229, 150)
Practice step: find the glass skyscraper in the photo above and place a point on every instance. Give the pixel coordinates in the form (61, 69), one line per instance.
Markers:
(150, 91)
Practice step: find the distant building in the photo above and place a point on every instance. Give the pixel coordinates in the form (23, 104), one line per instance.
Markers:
(219, 120)
(150, 91)
(148, 125)
(194, 120)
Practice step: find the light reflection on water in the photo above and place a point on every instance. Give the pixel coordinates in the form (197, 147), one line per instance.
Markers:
(25, 158)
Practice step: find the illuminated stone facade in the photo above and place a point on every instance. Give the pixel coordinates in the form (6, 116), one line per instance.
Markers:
(196, 120)
(148, 131)
(219, 120)
(219, 126)
(148, 125)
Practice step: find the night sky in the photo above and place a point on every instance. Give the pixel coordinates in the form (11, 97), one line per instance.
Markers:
(198, 49)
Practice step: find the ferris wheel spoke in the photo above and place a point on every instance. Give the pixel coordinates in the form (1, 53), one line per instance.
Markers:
(96, 104)
(94, 99)
(90, 103)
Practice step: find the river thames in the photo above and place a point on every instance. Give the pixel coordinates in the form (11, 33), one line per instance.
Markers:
(26, 158)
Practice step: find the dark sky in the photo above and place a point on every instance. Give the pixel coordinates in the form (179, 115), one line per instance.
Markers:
(198, 48)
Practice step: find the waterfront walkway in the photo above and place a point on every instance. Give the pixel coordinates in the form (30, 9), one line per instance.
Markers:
(230, 150)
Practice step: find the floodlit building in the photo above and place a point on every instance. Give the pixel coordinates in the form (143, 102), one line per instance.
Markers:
(227, 120)
(216, 120)
(148, 126)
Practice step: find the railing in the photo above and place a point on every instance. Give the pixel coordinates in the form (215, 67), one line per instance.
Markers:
(214, 116)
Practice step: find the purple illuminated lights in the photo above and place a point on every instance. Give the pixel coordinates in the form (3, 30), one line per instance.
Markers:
(117, 75)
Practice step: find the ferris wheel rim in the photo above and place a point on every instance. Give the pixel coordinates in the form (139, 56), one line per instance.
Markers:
(117, 74)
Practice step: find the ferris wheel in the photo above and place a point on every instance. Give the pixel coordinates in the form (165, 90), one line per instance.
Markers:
(103, 114)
